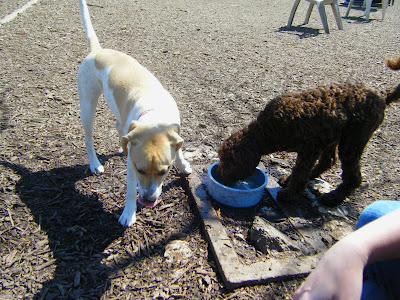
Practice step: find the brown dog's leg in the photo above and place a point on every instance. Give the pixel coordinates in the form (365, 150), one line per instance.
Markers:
(299, 177)
(351, 177)
(326, 161)
(350, 151)
(284, 180)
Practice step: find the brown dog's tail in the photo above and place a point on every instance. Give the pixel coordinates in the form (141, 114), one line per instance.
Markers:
(393, 96)
(393, 63)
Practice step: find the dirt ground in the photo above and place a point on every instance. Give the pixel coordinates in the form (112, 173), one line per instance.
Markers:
(222, 61)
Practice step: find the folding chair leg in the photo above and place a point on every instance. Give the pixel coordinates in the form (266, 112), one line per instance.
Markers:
(294, 8)
(385, 4)
(336, 13)
(322, 13)
(368, 9)
(348, 8)
(308, 14)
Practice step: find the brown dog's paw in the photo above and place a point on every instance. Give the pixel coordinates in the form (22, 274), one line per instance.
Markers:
(286, 196)
(284, 180)
(330, 200)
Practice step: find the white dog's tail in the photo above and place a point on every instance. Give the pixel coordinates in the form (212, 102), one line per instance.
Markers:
(90, 34)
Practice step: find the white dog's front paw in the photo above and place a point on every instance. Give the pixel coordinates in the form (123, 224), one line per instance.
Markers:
(127, 218)
(97, 170)
(187, 169)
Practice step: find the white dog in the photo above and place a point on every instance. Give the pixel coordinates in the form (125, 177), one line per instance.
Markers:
(147, 116)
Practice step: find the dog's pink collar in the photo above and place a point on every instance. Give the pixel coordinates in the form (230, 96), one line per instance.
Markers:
(143, 113)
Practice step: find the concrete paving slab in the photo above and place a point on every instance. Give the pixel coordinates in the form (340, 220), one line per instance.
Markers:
(235, 274)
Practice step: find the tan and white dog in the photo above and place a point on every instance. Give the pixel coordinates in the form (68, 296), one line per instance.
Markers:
(147, 116)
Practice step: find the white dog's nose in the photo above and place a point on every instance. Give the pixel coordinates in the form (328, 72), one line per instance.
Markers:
(150, 195)
(147, 197)
(148, 202)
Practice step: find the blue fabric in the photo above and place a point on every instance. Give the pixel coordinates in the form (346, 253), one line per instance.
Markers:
(381, 279)
(371, 290)
(376, 210)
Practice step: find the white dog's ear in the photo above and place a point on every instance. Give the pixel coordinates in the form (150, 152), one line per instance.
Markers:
(174, 137)
(130, 137)
(132, 126)
(124, 144)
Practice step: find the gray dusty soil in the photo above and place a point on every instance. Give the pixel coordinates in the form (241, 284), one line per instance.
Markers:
(222, 61)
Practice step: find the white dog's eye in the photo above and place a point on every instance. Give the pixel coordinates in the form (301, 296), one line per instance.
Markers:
(141, 172)
(162, 173)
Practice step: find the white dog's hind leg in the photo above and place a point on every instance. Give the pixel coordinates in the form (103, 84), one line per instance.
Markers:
(89, 93)
(182, 164)
(128, 216)
(120, 134)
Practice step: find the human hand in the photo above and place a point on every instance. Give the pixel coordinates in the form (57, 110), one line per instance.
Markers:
(337, 276)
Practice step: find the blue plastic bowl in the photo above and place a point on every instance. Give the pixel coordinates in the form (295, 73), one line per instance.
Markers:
(235, 197)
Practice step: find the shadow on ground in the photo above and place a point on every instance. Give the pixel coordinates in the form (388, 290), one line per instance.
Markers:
(79, 229)
(301, 31)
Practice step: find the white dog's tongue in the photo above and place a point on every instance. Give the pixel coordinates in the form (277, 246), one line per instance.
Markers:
(148, 204)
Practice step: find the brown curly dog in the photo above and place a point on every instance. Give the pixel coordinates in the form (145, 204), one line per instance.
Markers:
(312, 123)
(393, 63)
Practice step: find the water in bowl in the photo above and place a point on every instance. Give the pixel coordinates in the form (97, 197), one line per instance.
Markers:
(249, 183)
(244, 185)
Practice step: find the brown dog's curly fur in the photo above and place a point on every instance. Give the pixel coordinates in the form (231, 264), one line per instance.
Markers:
(312, 123)
(393, 63)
